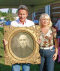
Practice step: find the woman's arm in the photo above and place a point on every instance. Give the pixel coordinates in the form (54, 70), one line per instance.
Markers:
(56, 49)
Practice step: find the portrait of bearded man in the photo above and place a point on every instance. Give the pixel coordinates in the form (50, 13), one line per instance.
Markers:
(25, 45)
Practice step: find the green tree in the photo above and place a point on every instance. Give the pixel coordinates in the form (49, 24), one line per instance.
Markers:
(4, 14)
(9, 16)
(0, 13)
(10, 10)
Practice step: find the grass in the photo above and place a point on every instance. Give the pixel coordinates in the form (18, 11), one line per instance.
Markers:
(1, 46)
(4, 67)
(57, 66)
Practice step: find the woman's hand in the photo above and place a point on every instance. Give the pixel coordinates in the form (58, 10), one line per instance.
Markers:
(39, 41)
(55, 56)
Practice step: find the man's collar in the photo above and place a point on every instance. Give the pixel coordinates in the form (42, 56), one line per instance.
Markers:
(20, 22)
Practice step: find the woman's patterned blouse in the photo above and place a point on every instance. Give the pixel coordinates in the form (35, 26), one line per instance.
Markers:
(47, 39)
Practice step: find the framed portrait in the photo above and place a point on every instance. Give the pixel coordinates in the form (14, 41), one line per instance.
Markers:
(22, 46)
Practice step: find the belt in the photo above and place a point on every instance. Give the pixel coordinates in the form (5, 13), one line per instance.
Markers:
(46, 48)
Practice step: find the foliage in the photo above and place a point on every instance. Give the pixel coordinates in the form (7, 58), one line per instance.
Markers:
(3, 14)
(1, 46)
(9, 17)
(1, 38)
(10, 10)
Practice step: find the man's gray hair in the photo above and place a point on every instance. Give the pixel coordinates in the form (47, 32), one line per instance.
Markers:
(24, 7)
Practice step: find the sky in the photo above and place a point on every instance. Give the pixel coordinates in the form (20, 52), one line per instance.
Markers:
(6, 10)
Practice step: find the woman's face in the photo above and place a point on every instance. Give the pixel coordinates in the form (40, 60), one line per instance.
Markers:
(45, 21)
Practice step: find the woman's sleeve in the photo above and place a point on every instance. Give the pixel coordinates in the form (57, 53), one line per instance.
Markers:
(54, 33)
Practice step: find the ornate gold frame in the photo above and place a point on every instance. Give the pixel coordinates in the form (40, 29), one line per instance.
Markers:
(10, 58)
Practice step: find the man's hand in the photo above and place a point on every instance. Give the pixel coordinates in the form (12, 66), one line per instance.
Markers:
(5, 42)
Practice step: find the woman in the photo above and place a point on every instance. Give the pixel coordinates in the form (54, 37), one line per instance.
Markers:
(48, 50)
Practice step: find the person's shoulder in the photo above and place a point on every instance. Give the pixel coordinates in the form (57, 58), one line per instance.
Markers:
(58, 22)
(30, 21)
(13, 23)
(54, 29)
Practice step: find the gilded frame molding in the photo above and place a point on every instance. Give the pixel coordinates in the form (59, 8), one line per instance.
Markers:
(10, 58)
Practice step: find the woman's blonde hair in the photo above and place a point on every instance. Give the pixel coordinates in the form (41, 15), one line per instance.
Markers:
(43, 16)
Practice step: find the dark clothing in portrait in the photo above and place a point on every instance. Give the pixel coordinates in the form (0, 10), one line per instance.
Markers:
(22, 52)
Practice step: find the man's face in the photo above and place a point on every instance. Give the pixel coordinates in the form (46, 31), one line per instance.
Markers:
(22, 15)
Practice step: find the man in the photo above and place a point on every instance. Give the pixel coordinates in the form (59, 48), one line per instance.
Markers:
(22, 22)
(8, 22)
(23, 39)
(57, 26)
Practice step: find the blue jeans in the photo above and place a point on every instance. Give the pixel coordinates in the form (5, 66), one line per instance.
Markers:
(47, 58)
(25, 67)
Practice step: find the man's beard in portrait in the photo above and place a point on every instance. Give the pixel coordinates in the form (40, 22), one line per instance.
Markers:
(22, 45)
